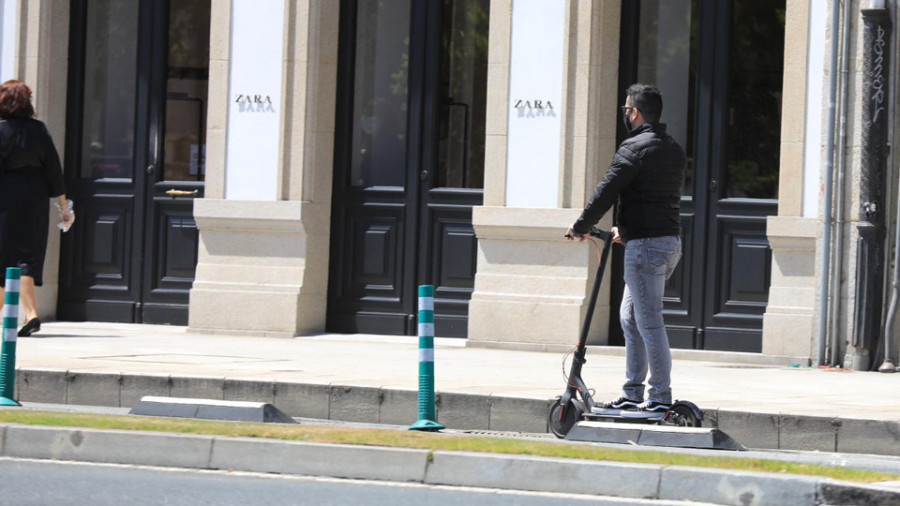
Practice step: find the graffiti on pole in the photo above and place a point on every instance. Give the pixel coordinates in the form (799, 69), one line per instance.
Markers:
(878, 78)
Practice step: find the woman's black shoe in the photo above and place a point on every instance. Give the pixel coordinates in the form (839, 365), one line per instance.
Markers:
(32, 326)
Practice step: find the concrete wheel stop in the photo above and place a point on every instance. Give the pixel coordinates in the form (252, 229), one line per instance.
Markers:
(653, 435)
(210, 409)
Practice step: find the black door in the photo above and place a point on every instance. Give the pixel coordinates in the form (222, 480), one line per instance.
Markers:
(409, 162)
(719, 65)
(135, 151)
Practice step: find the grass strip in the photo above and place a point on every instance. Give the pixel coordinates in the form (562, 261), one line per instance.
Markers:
(430, 441)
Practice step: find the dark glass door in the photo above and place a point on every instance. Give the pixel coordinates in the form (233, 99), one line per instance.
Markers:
(719, 65)
(134, 157)
(409, 162)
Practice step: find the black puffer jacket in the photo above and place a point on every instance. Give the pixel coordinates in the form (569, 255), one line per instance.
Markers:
(645, 177)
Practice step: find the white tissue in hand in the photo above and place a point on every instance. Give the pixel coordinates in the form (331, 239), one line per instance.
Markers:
(64, 225)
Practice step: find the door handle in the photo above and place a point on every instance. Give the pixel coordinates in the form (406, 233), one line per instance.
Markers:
(713, 185)
(182, 193)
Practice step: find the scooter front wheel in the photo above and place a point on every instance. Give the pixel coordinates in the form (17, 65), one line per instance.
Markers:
(682, 416)
(562, 418)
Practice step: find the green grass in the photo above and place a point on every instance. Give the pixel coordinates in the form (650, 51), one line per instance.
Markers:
(430, 441)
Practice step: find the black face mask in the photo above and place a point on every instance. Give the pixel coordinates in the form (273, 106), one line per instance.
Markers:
(626, 123)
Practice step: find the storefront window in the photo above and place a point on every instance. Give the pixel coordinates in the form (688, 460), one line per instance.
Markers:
(461, 132)
(380, 94)
(667, 57)
(109, 90)
(754, 99)
(187, 90)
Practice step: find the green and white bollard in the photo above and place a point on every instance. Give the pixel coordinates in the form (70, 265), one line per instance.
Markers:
(8, 351)
(426, 361)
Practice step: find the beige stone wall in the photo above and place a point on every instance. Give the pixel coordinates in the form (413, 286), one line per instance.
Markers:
(788, 324)
(263, 266)
(531, 285)
(794, 104)
(497, 115)
(217, 108)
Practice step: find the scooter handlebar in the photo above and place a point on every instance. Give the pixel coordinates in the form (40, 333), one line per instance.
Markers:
(605, 235)
(601, 234)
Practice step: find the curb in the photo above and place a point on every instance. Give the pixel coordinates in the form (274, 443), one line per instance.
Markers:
(770, 431)
(468, 469)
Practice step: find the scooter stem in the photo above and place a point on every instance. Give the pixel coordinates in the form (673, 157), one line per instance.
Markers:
(595, 290)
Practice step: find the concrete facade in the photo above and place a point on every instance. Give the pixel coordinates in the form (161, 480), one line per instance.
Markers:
(267, 261)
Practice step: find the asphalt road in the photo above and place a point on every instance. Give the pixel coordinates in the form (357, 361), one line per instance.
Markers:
(52, 483)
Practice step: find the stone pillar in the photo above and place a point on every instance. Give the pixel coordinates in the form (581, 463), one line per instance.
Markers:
(789, 322)
(263, 255)
(531, 284)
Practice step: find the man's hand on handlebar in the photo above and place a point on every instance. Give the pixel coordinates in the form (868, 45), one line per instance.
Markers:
(616, 236)
(572, 235)
(612, 235)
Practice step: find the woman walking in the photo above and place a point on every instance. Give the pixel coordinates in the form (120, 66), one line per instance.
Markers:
(30, 173)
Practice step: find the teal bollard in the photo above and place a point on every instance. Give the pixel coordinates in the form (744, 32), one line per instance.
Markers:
(426, 361)
(8, 351)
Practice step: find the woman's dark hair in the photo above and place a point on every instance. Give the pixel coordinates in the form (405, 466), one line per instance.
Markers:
(647, 99)
(15, 100)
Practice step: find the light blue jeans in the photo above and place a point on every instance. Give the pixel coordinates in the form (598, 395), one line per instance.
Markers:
(648, 264)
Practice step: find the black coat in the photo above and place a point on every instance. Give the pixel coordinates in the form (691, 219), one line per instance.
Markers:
(30, 173)
(26, 145)
(644, 181)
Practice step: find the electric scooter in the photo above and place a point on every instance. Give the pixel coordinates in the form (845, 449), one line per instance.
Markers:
(577, 404)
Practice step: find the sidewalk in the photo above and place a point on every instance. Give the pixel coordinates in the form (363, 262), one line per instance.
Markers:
(374, 379)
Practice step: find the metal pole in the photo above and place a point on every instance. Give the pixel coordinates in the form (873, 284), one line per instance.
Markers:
(834, 347)
(888, 365)
(824, 282)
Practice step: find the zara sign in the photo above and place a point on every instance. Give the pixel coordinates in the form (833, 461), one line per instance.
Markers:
(253, 146)
(534, 108)
(535, 88)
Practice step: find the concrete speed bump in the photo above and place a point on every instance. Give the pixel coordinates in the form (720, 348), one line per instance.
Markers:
(210, 409)
(653, 435)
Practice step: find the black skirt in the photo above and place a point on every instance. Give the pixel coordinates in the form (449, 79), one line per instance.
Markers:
(24, 218)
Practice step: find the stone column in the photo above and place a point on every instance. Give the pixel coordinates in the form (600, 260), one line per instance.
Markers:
(531, 284)
(263, 255)
(789, 323)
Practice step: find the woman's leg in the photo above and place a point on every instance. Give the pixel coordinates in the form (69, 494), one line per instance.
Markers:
(27, 298)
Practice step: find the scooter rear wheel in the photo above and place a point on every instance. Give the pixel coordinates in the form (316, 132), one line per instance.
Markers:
(561, 421)
(683, 416)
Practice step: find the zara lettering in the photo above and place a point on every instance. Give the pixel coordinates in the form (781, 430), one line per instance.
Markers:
(254, 103)
(534, 108)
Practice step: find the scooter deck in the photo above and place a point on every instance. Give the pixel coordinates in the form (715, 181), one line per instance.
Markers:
(624, 415)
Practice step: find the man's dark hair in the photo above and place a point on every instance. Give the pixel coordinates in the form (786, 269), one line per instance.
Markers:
(647, 99)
